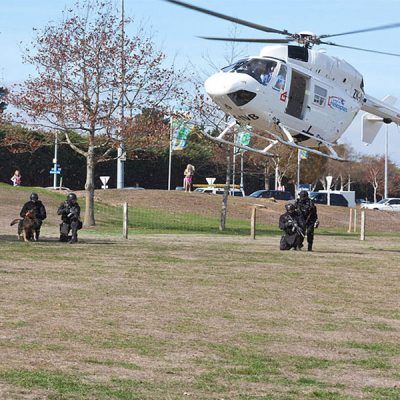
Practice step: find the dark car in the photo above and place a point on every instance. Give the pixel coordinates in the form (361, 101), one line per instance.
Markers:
(276, 194)
(322, 198)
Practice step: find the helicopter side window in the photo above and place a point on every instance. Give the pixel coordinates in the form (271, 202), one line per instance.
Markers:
(281, 78)
(260, 69)
(320, 95)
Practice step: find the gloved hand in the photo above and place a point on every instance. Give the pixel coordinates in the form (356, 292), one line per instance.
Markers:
(316, 225)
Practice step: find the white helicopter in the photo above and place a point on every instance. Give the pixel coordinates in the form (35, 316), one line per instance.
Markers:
(299, 96)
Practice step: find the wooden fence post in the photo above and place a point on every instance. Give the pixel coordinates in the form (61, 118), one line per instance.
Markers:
(362, 229)
(253, 222)
(125, 221)
(355, 220)
(350, 220)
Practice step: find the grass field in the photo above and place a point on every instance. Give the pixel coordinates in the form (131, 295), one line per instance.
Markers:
(201, 317)
(168, 315)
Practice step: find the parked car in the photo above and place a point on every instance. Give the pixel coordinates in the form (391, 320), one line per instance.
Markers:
(276, 194)
(335, 199)
(392, 204)
(362, 201)
(211, 190)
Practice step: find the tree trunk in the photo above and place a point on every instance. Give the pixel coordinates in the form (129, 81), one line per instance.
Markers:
(224, 207)
(89, 188)
(375, 189)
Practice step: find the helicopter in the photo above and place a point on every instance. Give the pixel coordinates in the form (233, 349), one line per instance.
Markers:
(299, 96)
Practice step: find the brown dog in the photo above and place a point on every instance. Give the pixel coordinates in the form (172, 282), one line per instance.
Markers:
(28, 228)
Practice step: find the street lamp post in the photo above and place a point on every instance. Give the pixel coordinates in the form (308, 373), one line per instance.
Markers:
(121, 147)
(386, 160)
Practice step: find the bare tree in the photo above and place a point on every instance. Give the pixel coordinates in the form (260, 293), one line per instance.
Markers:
(79, 78)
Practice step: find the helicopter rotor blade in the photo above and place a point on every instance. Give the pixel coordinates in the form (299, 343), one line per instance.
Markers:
(250, 40)
(358, 48)
(376, 28)
(228, 18)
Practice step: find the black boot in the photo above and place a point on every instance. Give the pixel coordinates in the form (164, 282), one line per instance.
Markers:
(63, 238)
(309, 247)
(74, 239)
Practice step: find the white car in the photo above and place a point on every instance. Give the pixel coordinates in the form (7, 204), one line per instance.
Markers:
(392, 204)
(214, 190)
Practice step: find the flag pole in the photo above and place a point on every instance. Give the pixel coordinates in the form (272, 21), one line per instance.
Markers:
(170, 152)
(298, 172)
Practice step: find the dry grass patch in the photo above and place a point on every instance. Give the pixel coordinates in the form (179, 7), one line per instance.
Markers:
(204, 317)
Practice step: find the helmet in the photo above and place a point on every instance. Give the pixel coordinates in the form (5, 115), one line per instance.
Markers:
(34, 196)
(290, 208)
(72, 198)
(303, 195)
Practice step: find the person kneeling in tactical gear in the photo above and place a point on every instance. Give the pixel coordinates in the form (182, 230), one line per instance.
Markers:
(291, 223)
(70, 214)
(39, 213)
(306, 207)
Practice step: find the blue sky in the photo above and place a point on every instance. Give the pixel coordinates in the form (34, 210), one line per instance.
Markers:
(175, 30)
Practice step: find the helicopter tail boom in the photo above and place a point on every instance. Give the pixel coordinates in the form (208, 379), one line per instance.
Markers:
(382, 108)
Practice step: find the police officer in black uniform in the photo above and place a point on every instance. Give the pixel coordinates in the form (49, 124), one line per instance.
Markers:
(39, 212)
(291, 223)
(306, 207)
(70, 214)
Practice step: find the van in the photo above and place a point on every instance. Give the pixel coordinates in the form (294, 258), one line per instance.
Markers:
(322, 198)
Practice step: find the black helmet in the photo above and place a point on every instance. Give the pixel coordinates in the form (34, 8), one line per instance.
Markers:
(303, 195)
(34, 196)
(72, 197)
(290, 207)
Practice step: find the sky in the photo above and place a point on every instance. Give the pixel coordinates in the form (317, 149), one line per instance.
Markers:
(175, 31)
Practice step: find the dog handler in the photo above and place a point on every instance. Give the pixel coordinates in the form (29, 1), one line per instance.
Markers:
(39, 212)
(70, 214)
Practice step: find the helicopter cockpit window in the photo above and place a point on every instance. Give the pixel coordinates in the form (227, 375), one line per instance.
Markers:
(260, 69)
(281, 78)
(320, 95)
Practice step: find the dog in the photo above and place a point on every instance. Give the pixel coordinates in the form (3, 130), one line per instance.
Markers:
(27, 227)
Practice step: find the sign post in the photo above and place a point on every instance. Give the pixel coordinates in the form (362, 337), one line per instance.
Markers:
(104, 180)
(328, 184)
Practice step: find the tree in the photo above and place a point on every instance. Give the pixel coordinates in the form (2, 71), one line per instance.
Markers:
(86, 70)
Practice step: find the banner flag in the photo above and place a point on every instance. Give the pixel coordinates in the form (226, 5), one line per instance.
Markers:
(303, 154)
(243, 138)
(180, 133)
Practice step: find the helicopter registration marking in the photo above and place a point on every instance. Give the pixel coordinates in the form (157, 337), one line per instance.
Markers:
(337, 102)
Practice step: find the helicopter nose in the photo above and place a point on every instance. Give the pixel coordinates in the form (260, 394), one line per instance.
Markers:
(222, 83)
(232, 85)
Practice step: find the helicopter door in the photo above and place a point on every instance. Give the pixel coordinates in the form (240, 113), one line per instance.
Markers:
(297, 94)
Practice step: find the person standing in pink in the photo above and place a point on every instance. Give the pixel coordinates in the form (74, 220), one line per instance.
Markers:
(16, 178)
(187, 181)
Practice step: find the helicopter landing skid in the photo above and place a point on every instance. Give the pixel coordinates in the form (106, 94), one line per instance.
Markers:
(291, 142)
(221, 138)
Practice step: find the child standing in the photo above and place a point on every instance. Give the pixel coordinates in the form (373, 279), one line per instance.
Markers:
(187, 182)
(16, 178)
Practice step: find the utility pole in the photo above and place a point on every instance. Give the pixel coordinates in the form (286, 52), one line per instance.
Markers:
(121, 147)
